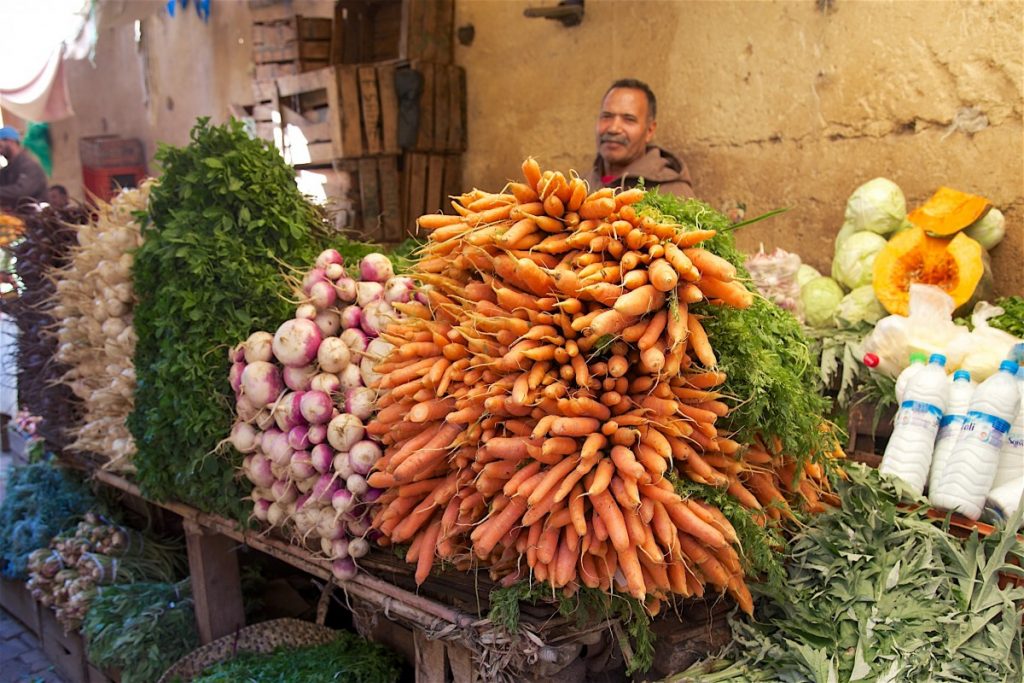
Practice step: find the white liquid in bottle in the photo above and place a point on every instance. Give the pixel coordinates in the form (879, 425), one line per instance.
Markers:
(917, 362)
(1011, 458)
(961, 389)
(968, 476)
(908, 454)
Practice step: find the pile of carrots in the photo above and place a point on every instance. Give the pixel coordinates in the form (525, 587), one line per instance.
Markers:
(535, 410)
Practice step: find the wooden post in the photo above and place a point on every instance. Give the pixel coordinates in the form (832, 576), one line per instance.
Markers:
(216, 585)
(460, 661)
(430, 659)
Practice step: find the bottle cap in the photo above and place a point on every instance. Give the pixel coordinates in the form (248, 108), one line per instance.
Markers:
(938, 359)
(1008, 366)
(918, 357)
(961, 374)
(870, 360)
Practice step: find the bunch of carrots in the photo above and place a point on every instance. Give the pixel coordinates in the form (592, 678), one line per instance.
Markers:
(541, 402)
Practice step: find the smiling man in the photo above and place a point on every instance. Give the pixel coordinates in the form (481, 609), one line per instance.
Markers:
(625, 154)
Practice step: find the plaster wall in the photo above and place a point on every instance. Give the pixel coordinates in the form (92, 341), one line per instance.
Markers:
(791, 103)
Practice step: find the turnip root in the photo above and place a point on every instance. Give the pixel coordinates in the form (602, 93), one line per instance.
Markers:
(358, 547)
(367, 292)
(344, 569)
(284, 491)
(333, 355)
(376, 268)
(296, 342)
(259, 347)
(343, 465)
(345, 288)
(306, 311)
(287, 412)
(363, 455)
(317, 433)
(351, 377)
(351, 317)
(261, 383)
(321, 456)
(299, 379)
(316, 407)
(243, 437)
(328, 321)
(302, 467)
(311, 278)
(329, 257)
(344, 431)
(399, 289)
(235, 376)
(361, 402)
(356, 339)
(326, 382)
(356, 483)
(298, 437)
(322, 294)
(334, 271)
(258, 471)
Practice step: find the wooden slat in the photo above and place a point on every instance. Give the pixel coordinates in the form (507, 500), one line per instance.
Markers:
(337, 137)
(314, 28)
(457, 108)
(452, 176)
(369, 99)
(417, 170)
(431, 664)
(435, 183)
(216, 586)
(315, 49)
(460, 660)
(303, 83)
(271, 13)
(425, 137)
(445, 31)
(369, 198)
(388, 108)
(351, 124)
(321, 152)
(390, 201)
(442, 111)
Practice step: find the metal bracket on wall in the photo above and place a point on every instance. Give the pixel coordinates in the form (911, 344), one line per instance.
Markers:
(569, 12)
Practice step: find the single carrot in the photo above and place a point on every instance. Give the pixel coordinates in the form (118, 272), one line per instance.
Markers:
(428, 545)
(654, 329)
(639, 301)
(433, 221)
(732, 293)
(698, 339)
(611, 516)
(551, 478)
(711, 265)
(487, 535)
(663, 275)
(629, 564)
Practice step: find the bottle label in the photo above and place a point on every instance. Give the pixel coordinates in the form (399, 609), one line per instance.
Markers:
(950, 426)
(984, 429)
(1015, 440)
(918, 414)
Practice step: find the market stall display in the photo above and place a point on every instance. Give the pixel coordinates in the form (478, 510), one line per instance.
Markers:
(95, 332)
(564, 375)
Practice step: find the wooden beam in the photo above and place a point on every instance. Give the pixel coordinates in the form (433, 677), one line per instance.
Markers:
(431, 665)
(216, 584)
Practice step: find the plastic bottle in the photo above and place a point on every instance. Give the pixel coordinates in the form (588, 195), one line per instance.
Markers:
(917, 363)
(1005, 499)
(1011, 457)
(908, 454)
(961, 389)
(967, 478)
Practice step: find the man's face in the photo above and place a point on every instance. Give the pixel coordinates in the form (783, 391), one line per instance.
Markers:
(56, 198)
(623, 127)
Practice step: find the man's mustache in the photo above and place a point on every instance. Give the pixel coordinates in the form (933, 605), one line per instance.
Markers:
(620, 139)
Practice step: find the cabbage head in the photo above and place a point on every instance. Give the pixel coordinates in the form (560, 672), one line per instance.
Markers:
(805, 273)
(861, 305)
(844, 234)
(876, 206)
(853, 264)
(820, 298)
(989, 229)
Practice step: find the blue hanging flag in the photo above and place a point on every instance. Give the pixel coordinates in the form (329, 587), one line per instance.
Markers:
(203, 10)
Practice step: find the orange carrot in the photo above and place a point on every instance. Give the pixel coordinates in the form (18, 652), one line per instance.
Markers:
(639, 301)
(611, 515)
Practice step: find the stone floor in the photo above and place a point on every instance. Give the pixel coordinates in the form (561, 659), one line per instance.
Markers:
(21, 655)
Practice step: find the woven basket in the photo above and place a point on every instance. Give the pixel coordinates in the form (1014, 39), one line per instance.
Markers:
(262, 638)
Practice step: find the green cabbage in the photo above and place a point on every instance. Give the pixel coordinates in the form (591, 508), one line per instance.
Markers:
(861, 305)
(844, 234)
(853, 264)
(805, 274)
(989, 229)
(820, 298)
(876, 206)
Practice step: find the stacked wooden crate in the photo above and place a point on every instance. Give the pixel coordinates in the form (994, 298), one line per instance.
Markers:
(285, 44)
(340, 125)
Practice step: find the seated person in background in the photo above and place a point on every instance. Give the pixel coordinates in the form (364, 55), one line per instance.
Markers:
(57, 197)
(625, 128)
(23, 179)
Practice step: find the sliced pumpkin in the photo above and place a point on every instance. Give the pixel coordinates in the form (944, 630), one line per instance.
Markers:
(957, 265)
(948, 211)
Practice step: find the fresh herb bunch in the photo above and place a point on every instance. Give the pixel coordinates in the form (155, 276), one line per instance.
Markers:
(225, 220)
(876, 593)
(41, 501)
(587, 607)
(762, 349)
(348, 658)
(141, 629)
(1012, 319)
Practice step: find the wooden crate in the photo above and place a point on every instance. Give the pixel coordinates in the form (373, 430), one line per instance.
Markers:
(442, 120)
(377, 30)
(66, 651)
(285, 43)
(427, 182)
(17, 601)
(372, 192)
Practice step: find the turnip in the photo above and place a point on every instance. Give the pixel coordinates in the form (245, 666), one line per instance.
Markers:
(261, 383)
(245, 410)
(358, 547)
(329, 322)
(298, 379)
(376, 315)
(324, 488)
(334, 271)
(298, 437)
(329, 257)
(342, 465)
(235, 376)
(399, 289)
(281, 471)
(306, 311)
(356, 339)
(333, 354)
(351, 316)
(363, 455)
(367, 292)
(376, 268)
(276, 514)
(372, 495)
(344, 431)
(327, 527)
(258, 471)
(264, 418)
(259, 347)
(311, 278)
(276, 447)
(261, 509)
(305, 485)
(339, 548)
(301, 501)
(243, 437)
(344, 569)
(376, 351)
(356, 483)
(316, 407)
(325, 546)
(345, 287)
(305, 519)
(342, 501)
(236, 354)
(326, 382)
(317, 433)
(296, 342)
(322, 457)
(287, 412)
(322, 295)
(302, 467)
(351, 377)
(284, 492)
(361, 402)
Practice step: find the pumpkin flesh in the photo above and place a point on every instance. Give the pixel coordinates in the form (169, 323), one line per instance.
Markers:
(948, 211)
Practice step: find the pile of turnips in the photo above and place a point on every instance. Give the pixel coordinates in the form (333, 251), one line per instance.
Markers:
(303, 395)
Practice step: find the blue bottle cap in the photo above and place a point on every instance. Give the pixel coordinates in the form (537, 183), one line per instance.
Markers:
(1008, 366)
(961, 375)
(938, 358)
